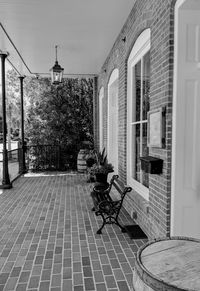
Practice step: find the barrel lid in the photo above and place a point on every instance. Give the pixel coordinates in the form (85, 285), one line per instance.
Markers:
(170, 264)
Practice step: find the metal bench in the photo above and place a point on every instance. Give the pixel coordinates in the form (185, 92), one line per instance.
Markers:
(107, 207)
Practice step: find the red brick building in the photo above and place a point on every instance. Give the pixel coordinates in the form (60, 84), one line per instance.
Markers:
(147, 106)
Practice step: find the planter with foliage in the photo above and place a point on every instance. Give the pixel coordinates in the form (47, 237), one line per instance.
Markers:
(101, 168)
(91, 158)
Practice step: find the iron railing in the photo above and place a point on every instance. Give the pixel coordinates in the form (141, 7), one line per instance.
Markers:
(49, 158)
(38, 158)
(13, 163)
(42, 157)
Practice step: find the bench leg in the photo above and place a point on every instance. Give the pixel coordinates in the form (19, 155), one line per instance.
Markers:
(99, 231)
(122, 228)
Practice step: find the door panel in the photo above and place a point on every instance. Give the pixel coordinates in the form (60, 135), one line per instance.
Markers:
(186, 178)
(190, 148)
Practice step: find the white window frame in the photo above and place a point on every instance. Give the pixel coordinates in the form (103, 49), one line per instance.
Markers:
(140, 48)
(114, 77)
(101, 96)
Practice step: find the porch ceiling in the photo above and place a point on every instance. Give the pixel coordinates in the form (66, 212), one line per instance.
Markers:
(84, 31)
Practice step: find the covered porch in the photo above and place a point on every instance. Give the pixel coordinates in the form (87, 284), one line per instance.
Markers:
(48, 238)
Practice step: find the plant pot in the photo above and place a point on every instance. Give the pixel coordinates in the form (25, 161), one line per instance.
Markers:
(101, 178)
(90, 162)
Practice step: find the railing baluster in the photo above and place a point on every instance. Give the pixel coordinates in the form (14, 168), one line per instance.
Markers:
(45, 157)
(58, 158)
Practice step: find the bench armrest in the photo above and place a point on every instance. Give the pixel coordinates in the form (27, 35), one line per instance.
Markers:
(109, 207)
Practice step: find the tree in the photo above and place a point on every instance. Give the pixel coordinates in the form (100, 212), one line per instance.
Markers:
(12, 104)
(60, 115)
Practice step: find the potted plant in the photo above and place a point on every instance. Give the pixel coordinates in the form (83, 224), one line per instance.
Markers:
(90, 161)
(91, 158)
(101, 168)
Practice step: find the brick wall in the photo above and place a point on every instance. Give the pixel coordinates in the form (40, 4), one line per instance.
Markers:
(153, 216)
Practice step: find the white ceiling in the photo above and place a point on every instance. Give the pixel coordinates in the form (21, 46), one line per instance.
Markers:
(84, 30)
(191, 4)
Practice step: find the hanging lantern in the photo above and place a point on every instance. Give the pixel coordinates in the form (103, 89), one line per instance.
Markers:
(56, 72)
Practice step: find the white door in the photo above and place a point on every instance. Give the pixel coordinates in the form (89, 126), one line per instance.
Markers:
(185, 215)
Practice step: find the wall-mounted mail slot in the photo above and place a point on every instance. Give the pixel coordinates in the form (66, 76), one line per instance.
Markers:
(151, 165)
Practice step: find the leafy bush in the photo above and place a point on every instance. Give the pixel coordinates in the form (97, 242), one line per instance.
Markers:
(60, 115)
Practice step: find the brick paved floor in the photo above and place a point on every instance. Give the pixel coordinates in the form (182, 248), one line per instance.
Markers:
(48, 239)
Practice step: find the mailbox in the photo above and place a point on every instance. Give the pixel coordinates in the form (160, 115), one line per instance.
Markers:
(151, 165)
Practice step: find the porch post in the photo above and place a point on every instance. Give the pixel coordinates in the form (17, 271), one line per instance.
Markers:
(95, 111)
(23, 164)
(6, 184)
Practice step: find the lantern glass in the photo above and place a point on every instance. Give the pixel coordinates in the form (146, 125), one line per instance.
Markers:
(56, 74)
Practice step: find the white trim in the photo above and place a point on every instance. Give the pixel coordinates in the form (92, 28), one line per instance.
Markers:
(178, 4)
(139, 122)
(140, 48)
(101, 96)
(114, 77)
(141, 43)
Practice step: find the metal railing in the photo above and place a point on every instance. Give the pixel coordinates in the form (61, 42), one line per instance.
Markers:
(38, 158)
(49, 158)
(13, 163)
(42, 157)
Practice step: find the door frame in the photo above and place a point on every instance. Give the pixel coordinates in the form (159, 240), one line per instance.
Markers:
(175, 121)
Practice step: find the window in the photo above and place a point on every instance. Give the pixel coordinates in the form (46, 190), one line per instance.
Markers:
(112, 149)
(138, 106)
(101, 95)
(139, 122)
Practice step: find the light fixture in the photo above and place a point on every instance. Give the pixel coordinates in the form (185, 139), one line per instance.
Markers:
(56, 72)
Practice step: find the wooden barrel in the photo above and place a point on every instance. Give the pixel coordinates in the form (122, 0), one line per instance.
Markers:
(81, 161)
(170, 264)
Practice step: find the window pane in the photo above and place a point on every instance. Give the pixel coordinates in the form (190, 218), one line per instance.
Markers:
(146, 84)
(145, 152)
(141, 88)
(137, 90)
(141, 149)
(137, 152)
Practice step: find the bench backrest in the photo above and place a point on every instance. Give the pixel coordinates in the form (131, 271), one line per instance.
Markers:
(122, 190)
